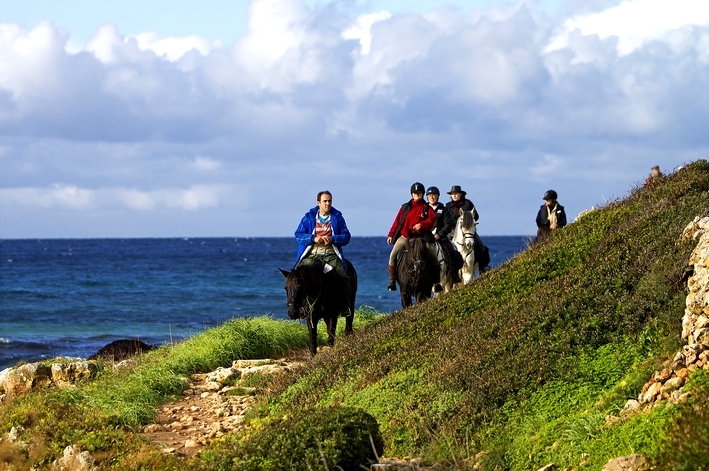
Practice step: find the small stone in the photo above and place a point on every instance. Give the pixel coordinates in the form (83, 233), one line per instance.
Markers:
(14, 434)
(168, 451)
(205, 395)
(633, 462)
(194, 408)
(672, 384)
(678, 362)
(153, 428)
(650, 394)
(630, 406)
(191, 444)
(691, 368)
(549, 467)
(682, 373)
(663, 375)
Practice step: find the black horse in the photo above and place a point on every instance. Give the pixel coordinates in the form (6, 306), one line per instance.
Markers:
(314, 295)
(415, 272)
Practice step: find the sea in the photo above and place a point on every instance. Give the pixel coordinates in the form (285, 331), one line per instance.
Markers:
(70, 297)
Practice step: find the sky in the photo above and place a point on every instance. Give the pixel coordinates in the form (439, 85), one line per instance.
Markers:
(225, 118)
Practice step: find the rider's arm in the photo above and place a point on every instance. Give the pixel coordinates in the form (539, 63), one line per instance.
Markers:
(396, 223)
(340, 234)
(430, 222)
(304, 233)
(561, 217)
(448, 223)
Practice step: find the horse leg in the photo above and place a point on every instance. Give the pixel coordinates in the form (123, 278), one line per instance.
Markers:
(331, 330)
(313, 331)
(348, 324)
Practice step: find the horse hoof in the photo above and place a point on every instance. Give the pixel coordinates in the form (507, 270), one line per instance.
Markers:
(437, 288)
(391, 287)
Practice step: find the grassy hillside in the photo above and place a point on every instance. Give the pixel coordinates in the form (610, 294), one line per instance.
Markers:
(523, 367)
(527, 366)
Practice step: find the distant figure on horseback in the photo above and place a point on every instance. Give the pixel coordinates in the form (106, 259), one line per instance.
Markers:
(442, 231)
(459, 203)
(415, 219)
(321, 235)
(550, 217)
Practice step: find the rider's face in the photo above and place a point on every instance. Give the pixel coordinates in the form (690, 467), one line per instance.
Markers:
(432, 198)
(455, 196)
(416, 196)
(325, 204)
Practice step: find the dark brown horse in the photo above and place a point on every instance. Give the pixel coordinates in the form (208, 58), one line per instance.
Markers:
(415, 272)
(314, 295)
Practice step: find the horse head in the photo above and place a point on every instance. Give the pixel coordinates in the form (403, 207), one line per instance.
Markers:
(465, 229)
(417, 256)
(301, 282)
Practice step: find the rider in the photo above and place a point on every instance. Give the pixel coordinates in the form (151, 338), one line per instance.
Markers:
(413, 218)
(443, 228)
(321, 235)
(551, 215)
(459, 201)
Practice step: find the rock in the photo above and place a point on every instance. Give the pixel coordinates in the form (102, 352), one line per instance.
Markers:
(122, 349)
(701, 336)
(74, 460)
(153, 428)
(678, 361)
(650, 394)
(22, 379)
(191, 444)
(549, 467)
(64, 374)
(14, 434)
(240, 364)
(633, 462)
(630, 406)
(125, 365)
(222, 375)
(263, 370)
(682, 373)
(663, 375)
(672, 384)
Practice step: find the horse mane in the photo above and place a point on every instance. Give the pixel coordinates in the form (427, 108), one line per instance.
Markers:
(468, 222)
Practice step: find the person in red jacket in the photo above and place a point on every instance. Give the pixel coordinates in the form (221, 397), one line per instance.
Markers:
(414, 218)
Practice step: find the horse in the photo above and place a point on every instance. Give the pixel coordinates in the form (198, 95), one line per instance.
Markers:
(464, 240)
(413, 269)
(313, 294)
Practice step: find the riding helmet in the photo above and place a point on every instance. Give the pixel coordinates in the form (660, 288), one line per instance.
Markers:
(417, 188)
(550, 195)
(432, 190)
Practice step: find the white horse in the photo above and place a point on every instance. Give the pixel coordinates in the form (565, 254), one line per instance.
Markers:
(464, 240)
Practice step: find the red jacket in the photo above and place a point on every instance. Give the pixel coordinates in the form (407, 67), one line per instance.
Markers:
(416, 215)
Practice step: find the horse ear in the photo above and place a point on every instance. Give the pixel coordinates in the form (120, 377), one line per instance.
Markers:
(284, 273)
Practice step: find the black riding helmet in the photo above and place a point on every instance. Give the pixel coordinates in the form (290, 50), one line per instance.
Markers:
(550, 195)
(417, 188)
(432, 190)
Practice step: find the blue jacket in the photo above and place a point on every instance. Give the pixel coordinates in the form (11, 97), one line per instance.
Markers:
(306, 229)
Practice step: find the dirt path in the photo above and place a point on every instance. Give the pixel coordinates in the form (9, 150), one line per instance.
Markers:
(210, 409)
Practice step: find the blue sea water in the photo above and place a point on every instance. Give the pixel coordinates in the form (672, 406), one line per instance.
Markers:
(70, 297)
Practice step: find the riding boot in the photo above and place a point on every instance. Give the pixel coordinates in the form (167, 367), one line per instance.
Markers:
(392, 277)
(437, 288)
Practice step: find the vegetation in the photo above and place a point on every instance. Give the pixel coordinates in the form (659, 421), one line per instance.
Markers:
(527, 366)
(332, 437)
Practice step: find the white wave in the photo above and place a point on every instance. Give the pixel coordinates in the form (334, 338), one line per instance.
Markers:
(4, 340)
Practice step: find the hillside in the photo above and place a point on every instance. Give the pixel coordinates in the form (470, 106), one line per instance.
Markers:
(529, 365)
(524, 367)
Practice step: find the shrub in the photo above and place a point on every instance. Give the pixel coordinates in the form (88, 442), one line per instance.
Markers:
(320, 438)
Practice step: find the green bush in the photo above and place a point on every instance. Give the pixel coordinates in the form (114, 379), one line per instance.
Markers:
(321, 438)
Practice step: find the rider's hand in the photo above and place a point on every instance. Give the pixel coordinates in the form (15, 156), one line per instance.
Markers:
(436, 236)
(389, 240)
(417, 227)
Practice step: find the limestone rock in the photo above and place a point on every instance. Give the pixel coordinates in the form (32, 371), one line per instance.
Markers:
(14, 434)
(672, 384)
(222, 375)
(22, 379)
(549, 467)
(128, 364)
(64, 374)
(630, 406)
(74, 460)
(633, 462)
(651, 393)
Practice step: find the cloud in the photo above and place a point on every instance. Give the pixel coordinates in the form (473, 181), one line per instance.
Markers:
(634, 23)
(505, 100)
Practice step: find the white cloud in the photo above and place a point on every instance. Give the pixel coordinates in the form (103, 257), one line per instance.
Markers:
(361, 31)
(61, 196)
(173, 49)
(205, 164)
(635, 22)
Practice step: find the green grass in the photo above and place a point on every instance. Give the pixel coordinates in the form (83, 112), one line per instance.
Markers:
(525, 364)
(528, 365)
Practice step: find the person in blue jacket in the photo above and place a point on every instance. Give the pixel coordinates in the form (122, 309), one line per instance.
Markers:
(321, 235)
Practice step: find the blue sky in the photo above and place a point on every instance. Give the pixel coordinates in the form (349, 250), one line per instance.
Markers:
(160, 119)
